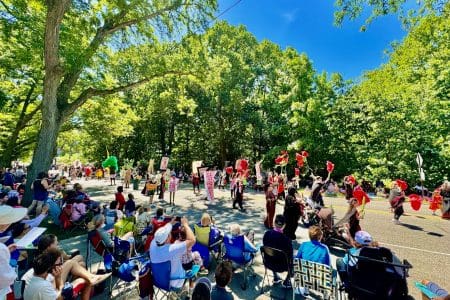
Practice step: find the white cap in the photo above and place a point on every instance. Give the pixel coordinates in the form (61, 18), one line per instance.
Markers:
(162, 234)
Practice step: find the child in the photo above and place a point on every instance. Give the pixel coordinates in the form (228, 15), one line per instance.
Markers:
(189, 258)
(130, 206)
(78, 209)
(173, 184)
(120, 198)
(112, 215)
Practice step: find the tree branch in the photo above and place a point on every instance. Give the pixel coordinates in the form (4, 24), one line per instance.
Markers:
(92, 92)
(108, 28)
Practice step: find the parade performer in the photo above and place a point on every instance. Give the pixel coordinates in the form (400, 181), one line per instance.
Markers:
(162, 185)
(271, 201)
(397, 198)
(351, 218)
(445, 193)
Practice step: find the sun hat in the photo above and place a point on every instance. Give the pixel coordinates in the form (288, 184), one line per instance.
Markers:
(162, 234)
(9, 215)
(363, 238)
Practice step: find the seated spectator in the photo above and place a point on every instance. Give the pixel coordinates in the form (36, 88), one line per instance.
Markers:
(50, 241)
(435, 289)
(161, 250)
(13, 201)
(249, 237)
(112, 215)
(214, 234)
(130, 206)
(189, 258)
(78, 210)
(81, 194)
(120, 198)
(202, 289)
(143, 219)
(46, 279)
(314, 250)
(97, 224)
(362, 239)
(223, 274)
(8, 274)
(275, 238)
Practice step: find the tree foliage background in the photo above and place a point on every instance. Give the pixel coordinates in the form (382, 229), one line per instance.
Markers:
(220, 94)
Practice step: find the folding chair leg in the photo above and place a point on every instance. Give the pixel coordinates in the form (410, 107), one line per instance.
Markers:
(263, 281)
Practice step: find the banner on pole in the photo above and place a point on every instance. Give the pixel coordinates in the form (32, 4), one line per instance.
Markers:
(209, 184)
(195, 165)
(164, 163)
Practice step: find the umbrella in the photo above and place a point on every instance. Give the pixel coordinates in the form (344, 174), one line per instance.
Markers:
(415, 201)
(330, 166)
(359, 195)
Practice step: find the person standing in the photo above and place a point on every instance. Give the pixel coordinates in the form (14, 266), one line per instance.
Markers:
(271, 201)
(396, 199)
(239, 194)
(40, 193)
(173, 185)
(291, 214)
(196, 182)
(112, 175)
(127, 178)
(162, 186)
(120, 198)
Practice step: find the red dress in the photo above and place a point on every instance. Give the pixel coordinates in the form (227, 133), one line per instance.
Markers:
(270, 209)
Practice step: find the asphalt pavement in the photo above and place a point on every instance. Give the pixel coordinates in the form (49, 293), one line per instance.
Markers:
(421, 238)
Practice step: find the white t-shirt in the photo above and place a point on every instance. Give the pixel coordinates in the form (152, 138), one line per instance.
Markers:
(39, 289)
(172, 252)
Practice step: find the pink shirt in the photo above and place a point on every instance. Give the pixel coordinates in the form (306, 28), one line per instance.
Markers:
(78, 210)
(173, 183)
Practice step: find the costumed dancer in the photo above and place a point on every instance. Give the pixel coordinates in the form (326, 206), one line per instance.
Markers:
(316, 189)
(291, 214)
(238, 194)
(396, 199)
(350, 221)
(349, 183)
(445, 193)
(271, 201)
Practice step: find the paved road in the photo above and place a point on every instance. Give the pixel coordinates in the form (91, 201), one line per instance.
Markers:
(421, 238)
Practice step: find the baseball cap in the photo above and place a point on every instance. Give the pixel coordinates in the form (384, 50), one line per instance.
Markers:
(363, 238)
(9, 215)
(162, 234)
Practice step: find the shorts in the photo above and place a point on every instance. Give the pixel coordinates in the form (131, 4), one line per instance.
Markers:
(150, 193)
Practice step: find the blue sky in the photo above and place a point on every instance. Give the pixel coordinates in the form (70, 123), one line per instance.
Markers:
(307, 25)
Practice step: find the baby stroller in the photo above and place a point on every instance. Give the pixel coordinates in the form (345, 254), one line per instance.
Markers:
(378, 274)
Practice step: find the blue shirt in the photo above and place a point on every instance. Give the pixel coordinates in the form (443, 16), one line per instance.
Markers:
(314, 251)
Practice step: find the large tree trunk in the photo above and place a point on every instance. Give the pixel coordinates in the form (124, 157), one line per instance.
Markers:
(51, 115)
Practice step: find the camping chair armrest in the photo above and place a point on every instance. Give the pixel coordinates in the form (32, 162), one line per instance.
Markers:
(215, 244)
(424, 290)
(189, 274)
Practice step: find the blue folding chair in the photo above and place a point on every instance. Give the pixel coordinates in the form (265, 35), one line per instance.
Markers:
(161, 278)
(235, 252)
(425, 291)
